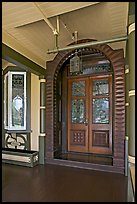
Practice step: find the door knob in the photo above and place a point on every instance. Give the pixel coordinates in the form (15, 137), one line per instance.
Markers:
(86, 122)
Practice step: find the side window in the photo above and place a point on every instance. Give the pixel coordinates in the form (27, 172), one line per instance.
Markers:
(15, 100)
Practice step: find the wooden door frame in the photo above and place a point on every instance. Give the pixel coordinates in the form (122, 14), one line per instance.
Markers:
(116, 57)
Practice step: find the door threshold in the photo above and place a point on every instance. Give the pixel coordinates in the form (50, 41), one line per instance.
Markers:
(85, 165)
(86, 158)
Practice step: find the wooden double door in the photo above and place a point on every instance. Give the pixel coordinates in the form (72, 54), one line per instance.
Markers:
(90, 114)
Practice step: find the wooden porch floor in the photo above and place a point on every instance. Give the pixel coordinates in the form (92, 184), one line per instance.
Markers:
(87, 158)
(51, 183)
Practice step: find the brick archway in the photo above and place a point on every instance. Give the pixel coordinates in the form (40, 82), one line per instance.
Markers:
(116, 57)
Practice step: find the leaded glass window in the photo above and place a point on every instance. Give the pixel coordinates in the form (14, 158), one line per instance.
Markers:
(78, 111)
(96, 68)
(100, 87)
(78, 88)
(101, 110)
(15, 101)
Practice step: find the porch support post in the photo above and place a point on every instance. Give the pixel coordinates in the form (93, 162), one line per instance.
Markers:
(42, 120)
(126, 109)
(131, 56)
(127, 115)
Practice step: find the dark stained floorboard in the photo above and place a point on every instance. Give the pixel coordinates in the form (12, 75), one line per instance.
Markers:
(51, 183)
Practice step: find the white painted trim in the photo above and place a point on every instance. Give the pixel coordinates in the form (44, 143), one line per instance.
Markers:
(16, 158)
(8, 86)
(42, 107)
(5, 95)
(42, 134)
(131, 159)
(131, 28)
(126, 104)
(42, 80)
(131, 93)
(126, 138)
(126, 71)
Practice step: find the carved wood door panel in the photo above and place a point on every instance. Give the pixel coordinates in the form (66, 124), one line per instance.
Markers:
(90, 114)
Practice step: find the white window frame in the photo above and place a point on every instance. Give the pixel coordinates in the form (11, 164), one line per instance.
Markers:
(9, 125)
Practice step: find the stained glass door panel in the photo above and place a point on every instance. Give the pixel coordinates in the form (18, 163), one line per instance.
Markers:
(90, 115)
(77, 115)
(100, 129)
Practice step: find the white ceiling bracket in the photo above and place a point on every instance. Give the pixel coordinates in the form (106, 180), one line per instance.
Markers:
(56, 33)
(54, 30)
(56, 40)
(45, 18)
(58, 24)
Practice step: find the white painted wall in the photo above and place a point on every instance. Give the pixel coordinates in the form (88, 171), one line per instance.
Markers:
(35, 111)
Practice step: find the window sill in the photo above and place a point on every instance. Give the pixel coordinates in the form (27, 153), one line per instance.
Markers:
(19, 131)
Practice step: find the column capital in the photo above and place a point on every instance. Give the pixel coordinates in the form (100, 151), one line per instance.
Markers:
(126, 69)
(131, 28)
(131, 92)
(131, 159)
(42, 78)
(42, 134)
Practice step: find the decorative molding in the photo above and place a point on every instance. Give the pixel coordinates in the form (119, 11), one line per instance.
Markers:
(131, 28)
(131, 159)
(15, 143)
(19, 140)
(131, 93)
(13, 135)
(42, 80)
(126, 104)
(42, 134)
(35, 158)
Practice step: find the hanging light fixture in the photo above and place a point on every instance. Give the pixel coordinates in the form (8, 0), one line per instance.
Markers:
(75, 62)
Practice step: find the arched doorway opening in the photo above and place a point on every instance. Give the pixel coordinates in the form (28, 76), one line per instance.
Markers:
(83, 110)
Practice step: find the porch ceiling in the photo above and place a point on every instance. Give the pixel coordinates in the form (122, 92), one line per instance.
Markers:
(24, 29)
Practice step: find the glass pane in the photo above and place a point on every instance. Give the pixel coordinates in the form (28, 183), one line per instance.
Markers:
(96, 68)
(75, 64)
(78, 111)
(17, 100)
(101, 110)
(100, 87)
(78, 88)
